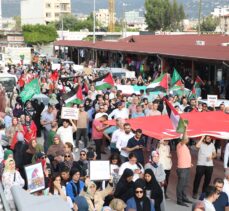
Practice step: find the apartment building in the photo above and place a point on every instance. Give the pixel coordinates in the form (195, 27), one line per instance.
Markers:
(43, 11)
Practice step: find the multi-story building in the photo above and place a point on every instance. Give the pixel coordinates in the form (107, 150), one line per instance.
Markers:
(43, 11)
(220, 11)
(224, 23)
(103, 16)
(133, 20)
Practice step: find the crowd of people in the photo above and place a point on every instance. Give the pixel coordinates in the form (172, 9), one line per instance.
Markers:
(140, 166)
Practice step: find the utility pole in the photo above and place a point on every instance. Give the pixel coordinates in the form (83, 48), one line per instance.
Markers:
(199, 19)
(94, 23)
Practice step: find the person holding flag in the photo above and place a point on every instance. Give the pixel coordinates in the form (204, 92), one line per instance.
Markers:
(184, 159)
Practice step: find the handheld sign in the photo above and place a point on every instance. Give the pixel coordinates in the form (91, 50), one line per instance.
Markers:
(99, 170)
(35, 177)
(212, 100)
(69, 113)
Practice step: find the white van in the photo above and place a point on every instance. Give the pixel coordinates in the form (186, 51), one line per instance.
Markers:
(8, 81)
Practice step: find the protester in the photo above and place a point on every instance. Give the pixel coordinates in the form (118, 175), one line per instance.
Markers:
(125, 187)
(140, 201)
(184, 163)
(136, 145)
(66, 131)
(165, 159)
(75, 186)
(82, 124)
(47, 118)
(153, 189)
(11, 177)
(57, 189)
(204, 166)
(94, 197)
(221, 202)
(97, 133)
(134, 165)
(122, 141)
(210, 196)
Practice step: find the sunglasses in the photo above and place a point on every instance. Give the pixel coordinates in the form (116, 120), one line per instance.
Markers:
(67, 156)
(82, 154)
(140, 191)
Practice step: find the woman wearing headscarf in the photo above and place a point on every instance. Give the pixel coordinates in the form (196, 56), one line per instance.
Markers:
(94, 197)
(30, 129)
(125, 187)
(7, 154)
(33, 148)
(12, 131)
(140, 202)
(17, 111)
(11, 177)
(56, 152)
(153, 189)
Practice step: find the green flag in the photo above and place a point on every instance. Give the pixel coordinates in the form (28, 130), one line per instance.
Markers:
(176, 77)
(29, 90)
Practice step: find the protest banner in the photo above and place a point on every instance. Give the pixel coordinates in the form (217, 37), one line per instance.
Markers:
(69, 113)
(99, 170)
(212, 100)
(35, 177)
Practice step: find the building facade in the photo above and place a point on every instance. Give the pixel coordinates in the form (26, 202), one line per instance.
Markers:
(224, 23)
(46, 11)
(220, 11)
(103, 17)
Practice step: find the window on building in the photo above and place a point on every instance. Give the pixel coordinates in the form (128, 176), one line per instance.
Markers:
(57, 15)
(48, 5)
(57, 5)
(48, 15)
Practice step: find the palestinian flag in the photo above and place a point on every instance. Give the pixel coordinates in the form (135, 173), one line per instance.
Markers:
(177, 86)
(75, 96)
(159, 84)
(198, 82)
(177, 122)
(104, 82)
(176, 78)
(192, 94)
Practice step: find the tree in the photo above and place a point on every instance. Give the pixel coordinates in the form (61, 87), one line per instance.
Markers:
(209, 24)
(39, 34)
(163, 15)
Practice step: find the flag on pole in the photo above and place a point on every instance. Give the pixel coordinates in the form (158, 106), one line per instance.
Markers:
(177, 122)
(160, 83)
(104, 82)
(75, 96)
(198, 82)
(176, 78)
(192, 94)
(29, 90)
